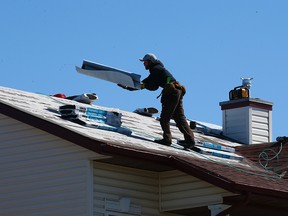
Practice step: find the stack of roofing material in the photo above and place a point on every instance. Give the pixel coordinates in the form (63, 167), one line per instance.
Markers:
(221, 154)
(218, 150)
(211, 149)
(215, 146)
(93, 117)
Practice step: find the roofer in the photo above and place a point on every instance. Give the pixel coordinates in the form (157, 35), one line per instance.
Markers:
(171, 99)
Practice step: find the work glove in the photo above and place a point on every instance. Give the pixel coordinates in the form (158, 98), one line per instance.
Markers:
(127, 87)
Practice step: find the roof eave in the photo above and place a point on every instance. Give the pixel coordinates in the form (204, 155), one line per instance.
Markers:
(108, 148)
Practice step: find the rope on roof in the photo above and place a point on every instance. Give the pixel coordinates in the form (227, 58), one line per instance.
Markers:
(264, 156)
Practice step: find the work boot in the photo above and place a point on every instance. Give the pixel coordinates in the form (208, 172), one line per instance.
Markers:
(163, 142)
(189, 145)
(186, 144)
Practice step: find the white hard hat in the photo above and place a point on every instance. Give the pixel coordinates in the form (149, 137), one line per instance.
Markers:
(149, 57)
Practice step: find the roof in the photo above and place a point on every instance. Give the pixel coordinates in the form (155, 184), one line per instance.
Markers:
(239, 176)
(271, 156)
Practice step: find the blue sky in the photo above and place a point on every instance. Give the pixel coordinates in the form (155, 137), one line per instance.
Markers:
(207, 45)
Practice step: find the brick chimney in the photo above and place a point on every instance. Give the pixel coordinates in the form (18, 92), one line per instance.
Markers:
(247, 120)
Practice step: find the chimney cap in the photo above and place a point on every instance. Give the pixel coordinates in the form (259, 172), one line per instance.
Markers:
(244, 102)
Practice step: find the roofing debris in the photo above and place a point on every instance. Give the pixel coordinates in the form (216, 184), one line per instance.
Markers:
(86, 98)
(149, 111)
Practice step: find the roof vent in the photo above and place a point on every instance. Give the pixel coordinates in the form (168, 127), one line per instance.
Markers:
(246, 82)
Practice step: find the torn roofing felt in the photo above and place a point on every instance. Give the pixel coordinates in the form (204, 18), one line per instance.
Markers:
(41, 111)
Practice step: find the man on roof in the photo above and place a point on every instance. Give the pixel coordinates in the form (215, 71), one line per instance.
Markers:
(171, 99)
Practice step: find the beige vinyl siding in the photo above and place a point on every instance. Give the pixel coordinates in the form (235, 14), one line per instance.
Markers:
(41, 174)
(111, 183)
(181, 191)
(154, 193)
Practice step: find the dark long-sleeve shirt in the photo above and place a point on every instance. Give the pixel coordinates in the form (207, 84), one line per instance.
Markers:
(158, 77)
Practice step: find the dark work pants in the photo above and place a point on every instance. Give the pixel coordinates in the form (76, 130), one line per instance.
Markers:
(172, 108)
